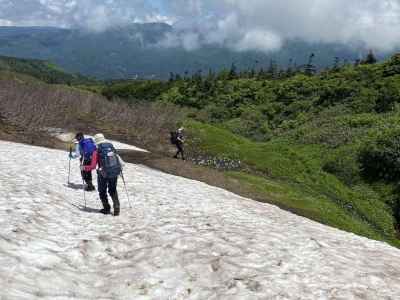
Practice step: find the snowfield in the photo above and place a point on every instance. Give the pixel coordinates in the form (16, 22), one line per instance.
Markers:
(182, 239)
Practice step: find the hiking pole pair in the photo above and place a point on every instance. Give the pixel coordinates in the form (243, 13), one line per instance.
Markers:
(126, 190)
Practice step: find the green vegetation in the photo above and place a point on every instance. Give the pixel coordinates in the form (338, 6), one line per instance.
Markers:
(135, 90)
(292, 176)
(326, 145)
(42, 70)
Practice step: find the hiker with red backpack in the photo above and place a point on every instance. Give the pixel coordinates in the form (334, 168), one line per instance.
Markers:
(109, 165)
(84, 149)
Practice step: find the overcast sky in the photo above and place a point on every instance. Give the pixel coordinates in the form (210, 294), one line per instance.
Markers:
(240, 24)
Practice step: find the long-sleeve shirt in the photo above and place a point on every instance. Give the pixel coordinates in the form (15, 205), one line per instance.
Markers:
(77, 152)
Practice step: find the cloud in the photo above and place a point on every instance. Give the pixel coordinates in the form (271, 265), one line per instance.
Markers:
(264, 24)
(90, 14)
(6, 22)
(239, 24)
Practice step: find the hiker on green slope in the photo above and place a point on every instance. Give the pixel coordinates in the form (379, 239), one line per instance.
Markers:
(84, 149)
(109, 165)
(178, 139)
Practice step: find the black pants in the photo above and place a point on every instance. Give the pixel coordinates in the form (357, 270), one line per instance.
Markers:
(87, 176)
(110, 184)
(179, 146)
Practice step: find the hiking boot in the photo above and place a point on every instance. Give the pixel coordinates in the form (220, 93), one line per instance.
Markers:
(116, 211)
(105, 211)
(90, 188)
(115, 204)
(106, 207)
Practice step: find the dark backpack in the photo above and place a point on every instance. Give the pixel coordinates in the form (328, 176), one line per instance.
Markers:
(108, 161)
(87, 147)
(174, 137)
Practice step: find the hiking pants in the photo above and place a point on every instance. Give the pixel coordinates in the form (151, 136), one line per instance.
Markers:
(87, 176)
(179, 146)
(104, 184)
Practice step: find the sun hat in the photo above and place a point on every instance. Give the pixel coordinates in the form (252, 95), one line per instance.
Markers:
(99, 138)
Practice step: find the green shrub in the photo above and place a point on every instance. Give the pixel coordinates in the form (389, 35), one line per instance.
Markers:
(380, 156)
(344, 165)
(389, 94)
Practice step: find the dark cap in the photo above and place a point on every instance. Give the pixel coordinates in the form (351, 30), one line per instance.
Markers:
(79, 136)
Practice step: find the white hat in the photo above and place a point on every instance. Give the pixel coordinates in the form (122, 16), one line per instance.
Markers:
(99, 138)
(181, 129)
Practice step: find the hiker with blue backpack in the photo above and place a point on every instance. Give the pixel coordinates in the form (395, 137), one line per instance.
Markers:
(84, 150)
(109, 167)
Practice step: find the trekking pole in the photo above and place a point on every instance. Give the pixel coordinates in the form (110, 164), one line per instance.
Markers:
(126, 190)
(69, 164)
(83, 179)
(84, 192)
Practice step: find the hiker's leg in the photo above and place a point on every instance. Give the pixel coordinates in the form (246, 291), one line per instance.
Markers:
(102, 187)
(112, 189)
(180, 150)
(87, 175)
(177, 151)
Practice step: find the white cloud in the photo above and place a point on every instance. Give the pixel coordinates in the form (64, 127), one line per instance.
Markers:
(259, 40)
(239, 24)
(91, 14)
(262, 24)
(4, 22)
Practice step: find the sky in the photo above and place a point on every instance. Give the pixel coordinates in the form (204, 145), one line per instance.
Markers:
(239, 24)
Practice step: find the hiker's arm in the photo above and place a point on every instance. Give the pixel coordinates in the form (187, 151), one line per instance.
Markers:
(76, 154)
(93, 163)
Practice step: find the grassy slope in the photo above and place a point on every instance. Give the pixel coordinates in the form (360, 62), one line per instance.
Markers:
(291, 176)
(42, 70)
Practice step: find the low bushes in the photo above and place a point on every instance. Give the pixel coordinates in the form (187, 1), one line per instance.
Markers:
(380, 156)
(35, 105)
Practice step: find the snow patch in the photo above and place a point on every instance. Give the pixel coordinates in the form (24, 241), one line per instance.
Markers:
(181, 240)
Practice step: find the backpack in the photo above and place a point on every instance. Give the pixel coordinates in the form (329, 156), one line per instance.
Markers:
(174, 137)
(87, 147)
(108, 161)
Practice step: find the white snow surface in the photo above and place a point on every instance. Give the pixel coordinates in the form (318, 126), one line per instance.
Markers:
(182, 239)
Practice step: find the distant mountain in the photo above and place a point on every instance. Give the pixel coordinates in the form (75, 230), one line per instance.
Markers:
(134, 51)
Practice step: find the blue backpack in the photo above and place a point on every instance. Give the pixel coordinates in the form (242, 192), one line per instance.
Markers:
(87, 147)
(108, 161)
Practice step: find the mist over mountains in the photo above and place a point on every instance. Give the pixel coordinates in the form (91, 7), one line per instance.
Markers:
(145, 50)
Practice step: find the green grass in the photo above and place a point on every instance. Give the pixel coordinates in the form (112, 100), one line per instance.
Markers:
(291, 176)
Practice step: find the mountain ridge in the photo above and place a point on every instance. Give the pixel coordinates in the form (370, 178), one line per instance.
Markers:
(136, 51)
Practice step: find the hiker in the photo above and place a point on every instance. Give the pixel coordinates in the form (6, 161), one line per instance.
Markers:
(178, 140)
(109, 168)
(84, 149)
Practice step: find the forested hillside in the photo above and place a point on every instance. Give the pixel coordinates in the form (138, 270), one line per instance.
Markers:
(325, 145)
(42, 70)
